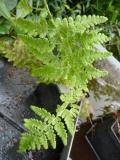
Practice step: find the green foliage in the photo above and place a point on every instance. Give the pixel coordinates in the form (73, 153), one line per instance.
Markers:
(43, 132)
(64, 8)
(72, 39)
(4, 10)
(114, 43)
(57, 50)
(4, 27)
(24, 7)
(110, 9)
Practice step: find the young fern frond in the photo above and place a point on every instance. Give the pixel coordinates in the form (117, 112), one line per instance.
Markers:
(43, 132)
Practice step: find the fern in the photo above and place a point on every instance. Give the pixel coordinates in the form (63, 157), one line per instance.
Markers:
(45, 129)
(59, 51)
(43, 132)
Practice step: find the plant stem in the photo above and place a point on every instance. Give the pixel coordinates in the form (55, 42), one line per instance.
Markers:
(46, 5)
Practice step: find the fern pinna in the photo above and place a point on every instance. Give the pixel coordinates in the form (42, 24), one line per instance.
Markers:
(60, 51)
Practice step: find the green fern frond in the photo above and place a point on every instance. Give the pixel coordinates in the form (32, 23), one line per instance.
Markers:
(24, 25)
(100, 38)
(60, 129)
(42, 113)
(37, 44)
(50, 133)
(26, 142)
(85, 22)
(69, 121)
(30, 27)
(29, 123)
(47, 73)
(67, 117)
(17, 53)
(69, 42)
(59, 51)
(47, 128)
(74, 112)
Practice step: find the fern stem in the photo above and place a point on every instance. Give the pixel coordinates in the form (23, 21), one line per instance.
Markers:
(57, 115)
(46, 5)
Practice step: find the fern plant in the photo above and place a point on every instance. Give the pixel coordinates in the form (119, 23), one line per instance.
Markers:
(60, 51)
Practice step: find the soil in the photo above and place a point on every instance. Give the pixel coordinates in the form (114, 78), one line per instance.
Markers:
(102, 140)
(115, 136)
(80, 148)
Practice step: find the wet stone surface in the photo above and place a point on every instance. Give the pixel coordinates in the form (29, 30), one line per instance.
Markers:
(8, 142)
(15, 87)
(17, 92)
(103, 94)
(112, 66)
